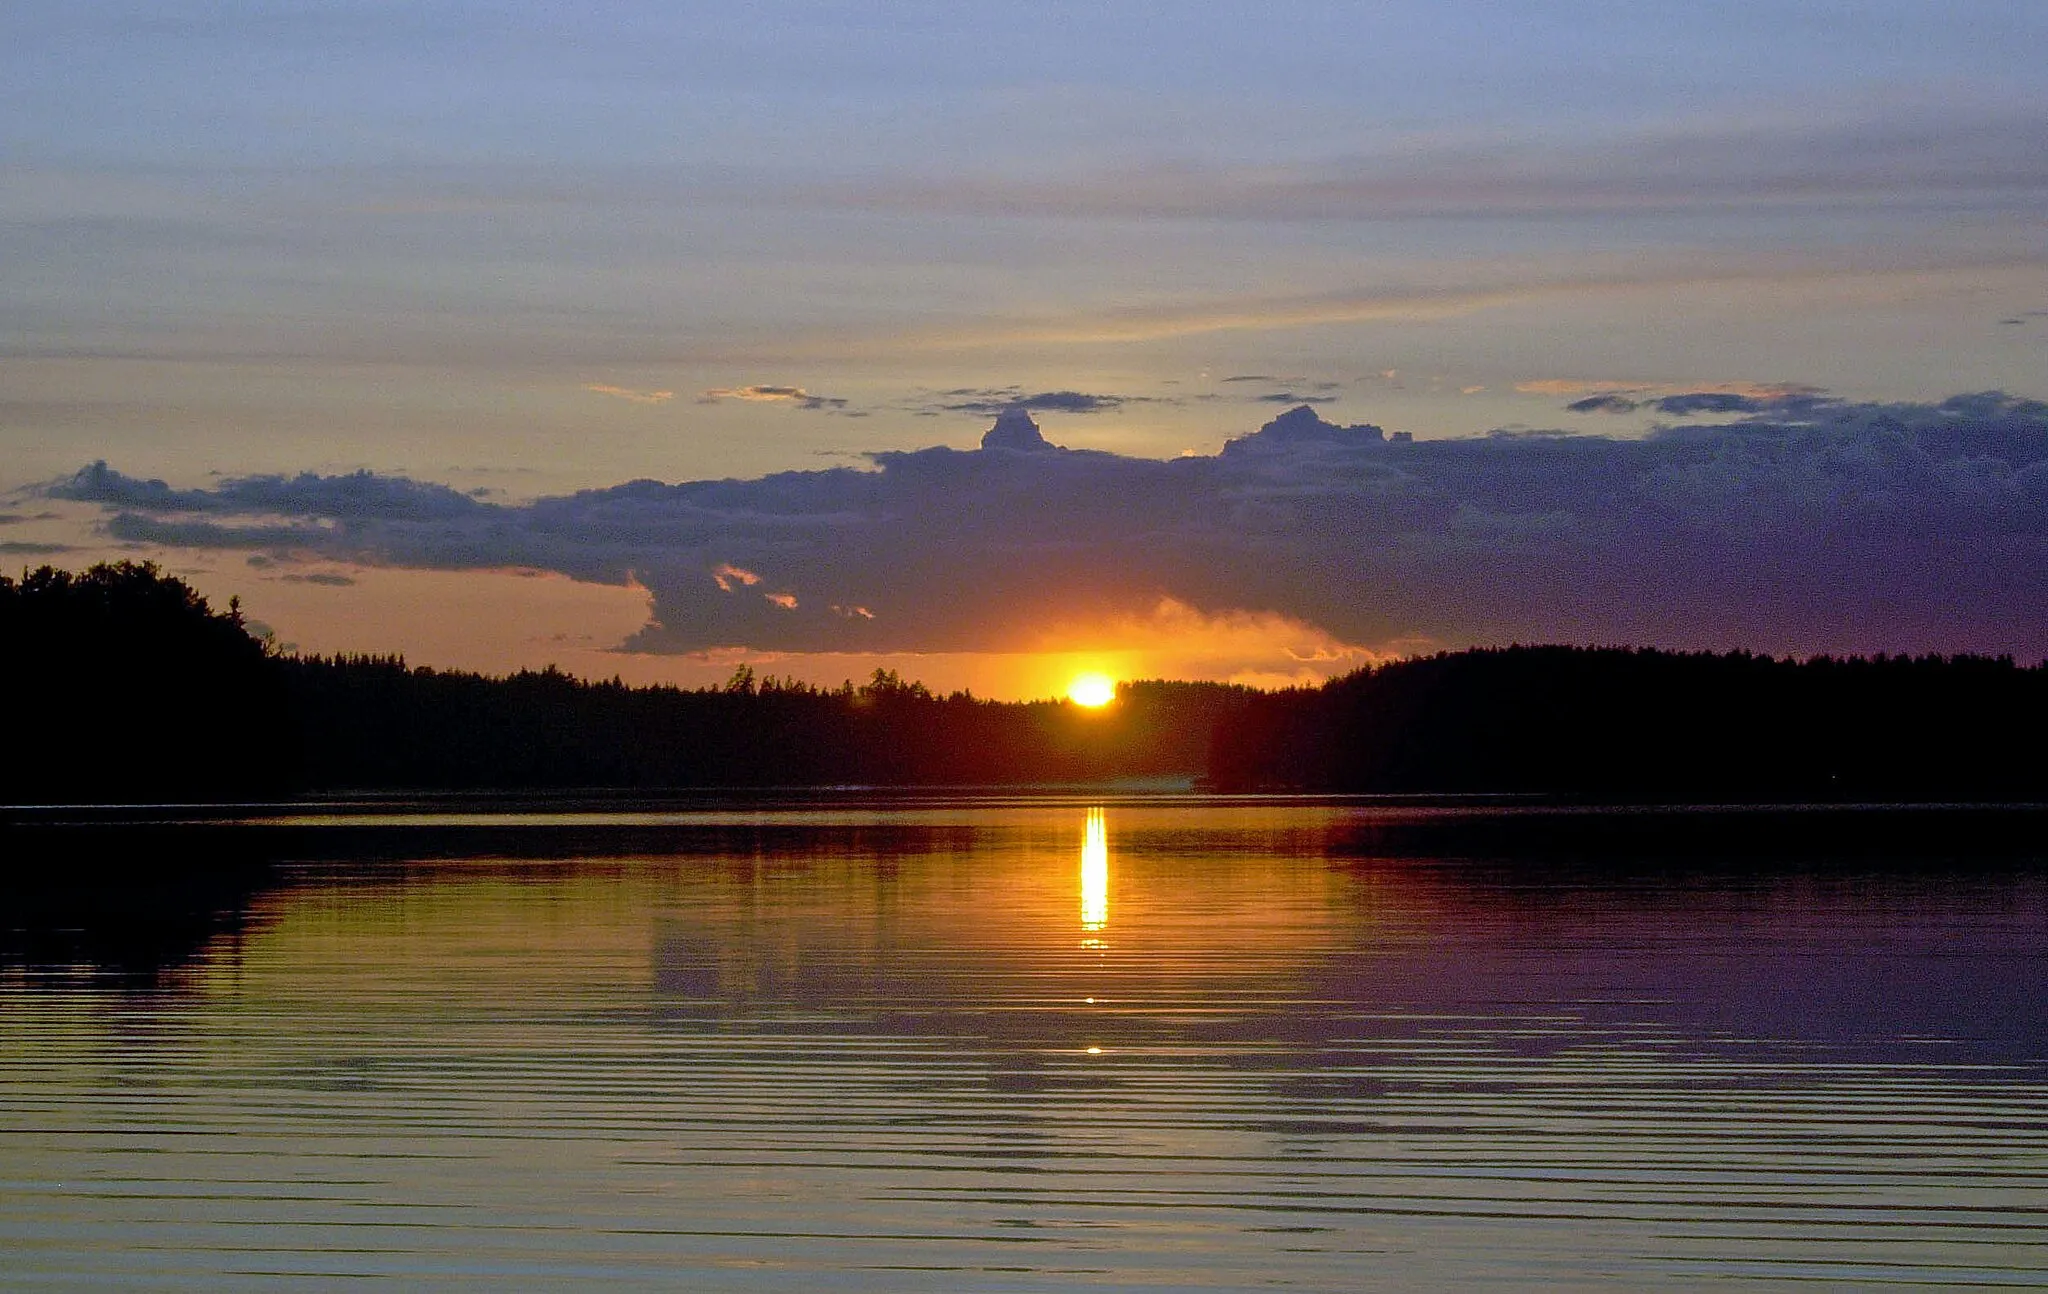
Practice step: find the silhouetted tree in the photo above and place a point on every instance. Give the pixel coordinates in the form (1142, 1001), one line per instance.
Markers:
(128, 686)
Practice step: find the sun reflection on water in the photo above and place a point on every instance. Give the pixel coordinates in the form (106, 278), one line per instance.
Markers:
(1095, 876)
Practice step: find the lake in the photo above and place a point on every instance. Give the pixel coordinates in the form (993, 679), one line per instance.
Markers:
(1026, 1043)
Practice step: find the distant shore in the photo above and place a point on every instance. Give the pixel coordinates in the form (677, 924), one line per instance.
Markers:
(137, 692)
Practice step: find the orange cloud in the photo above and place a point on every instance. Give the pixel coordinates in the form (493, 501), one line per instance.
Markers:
(628, 393)
(499, 621)
(1175, 640)
(728, 577)
(791, 395)
(1567, 386)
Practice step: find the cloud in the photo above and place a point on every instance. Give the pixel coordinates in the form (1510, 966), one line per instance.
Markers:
(990, 401)
(729, 577)
(1681, 401)
(24, 548)
(1292, 398)
(1816, 524)
(1535, 284)
(1259, 648)
(355, 496)
(1697, 402)
(1897, 156)
(795, 396)
(1289, 391)
(320, 577)
(628, 393)
(1578, 387)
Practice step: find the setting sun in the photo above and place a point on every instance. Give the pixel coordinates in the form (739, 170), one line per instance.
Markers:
(1092, 690)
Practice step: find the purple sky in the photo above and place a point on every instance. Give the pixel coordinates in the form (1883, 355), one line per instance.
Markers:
(534, 250)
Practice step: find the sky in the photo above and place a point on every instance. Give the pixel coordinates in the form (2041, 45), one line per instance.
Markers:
(1694, 314)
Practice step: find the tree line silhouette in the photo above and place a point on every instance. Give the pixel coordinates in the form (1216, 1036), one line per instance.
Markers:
(1635, 723)
(125, 686)
(128, 687)
(372, 721)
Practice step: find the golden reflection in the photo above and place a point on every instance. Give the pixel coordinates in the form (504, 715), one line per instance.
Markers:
(1095, 873)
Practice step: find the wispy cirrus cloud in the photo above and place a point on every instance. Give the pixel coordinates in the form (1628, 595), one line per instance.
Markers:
(630, 394)
(1904, 155)
(1463, 291)
(1282, 390)
(1578, 386)
(793, 396)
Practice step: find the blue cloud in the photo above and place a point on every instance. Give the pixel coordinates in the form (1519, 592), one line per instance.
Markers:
(354, 496)
(1696, 402)
(992, 401)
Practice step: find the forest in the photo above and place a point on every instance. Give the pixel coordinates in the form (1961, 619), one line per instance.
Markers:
(128, 687)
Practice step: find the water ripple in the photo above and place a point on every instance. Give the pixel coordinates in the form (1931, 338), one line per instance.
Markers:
(1036, 1048)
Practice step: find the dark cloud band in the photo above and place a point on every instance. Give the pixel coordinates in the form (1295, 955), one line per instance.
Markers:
(1836, 526)
(990, 401)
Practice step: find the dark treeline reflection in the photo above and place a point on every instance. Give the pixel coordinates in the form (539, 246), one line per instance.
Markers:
(130, 901)
(128, 687)
(132, 896)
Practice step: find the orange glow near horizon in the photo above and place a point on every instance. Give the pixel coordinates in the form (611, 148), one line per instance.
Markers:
(501, 621)
(1092, 690)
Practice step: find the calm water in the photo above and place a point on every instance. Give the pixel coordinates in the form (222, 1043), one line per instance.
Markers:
(1030, 1045)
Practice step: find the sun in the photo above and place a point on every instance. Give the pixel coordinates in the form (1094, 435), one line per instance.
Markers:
(1092, 690)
